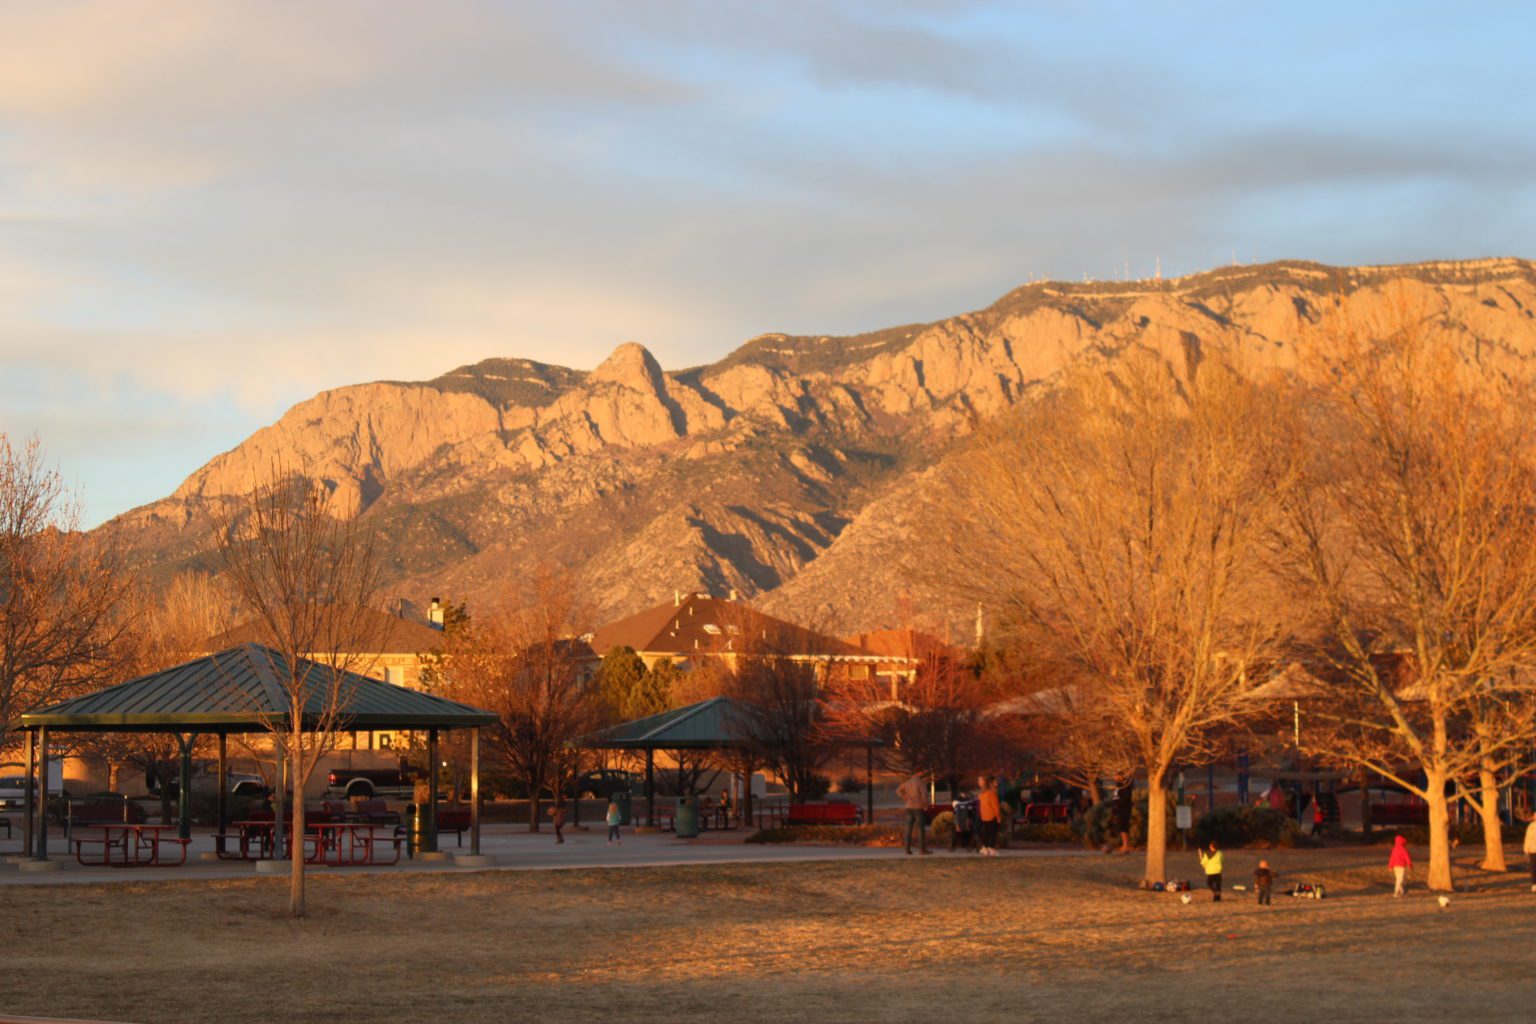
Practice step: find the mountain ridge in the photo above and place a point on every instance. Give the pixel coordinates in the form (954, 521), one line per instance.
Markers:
(779, 470)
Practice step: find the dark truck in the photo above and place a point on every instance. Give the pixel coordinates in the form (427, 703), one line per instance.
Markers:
(366, 783)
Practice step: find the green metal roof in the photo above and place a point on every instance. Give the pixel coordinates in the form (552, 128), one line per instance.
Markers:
(708, 725)
(241, 689)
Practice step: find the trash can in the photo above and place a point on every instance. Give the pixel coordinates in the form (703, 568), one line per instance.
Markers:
(687, 817)
(416, 816)
(621, 801)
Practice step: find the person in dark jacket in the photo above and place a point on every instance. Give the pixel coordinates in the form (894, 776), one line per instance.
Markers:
(1123, 802)
(964, 809)
(1264, 883)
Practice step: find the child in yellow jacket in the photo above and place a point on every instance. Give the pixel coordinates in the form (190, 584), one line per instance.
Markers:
(1210, 860)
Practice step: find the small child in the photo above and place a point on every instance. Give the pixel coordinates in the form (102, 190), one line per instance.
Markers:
(613, 824)
(1264, 883)
(965, 815)
(1210, 860)
(1401, 862)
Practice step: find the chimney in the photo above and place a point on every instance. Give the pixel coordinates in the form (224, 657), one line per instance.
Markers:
(734, 595)
(435, 614)
(677, 598)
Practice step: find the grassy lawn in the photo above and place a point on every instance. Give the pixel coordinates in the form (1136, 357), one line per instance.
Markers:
(940, 938)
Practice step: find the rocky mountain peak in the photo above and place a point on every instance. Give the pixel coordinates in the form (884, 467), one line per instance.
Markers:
(630, 365)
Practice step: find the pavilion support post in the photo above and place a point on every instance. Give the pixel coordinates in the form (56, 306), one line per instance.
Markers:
(223, 797)
(184, 784)
(42, 793)
(279, 805)
(869, 783)
(28, 801)
(474, 792)
(429, 820)
(650, 787)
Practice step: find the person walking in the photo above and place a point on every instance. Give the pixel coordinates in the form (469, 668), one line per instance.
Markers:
(614, 817)
(1319, 818)
(1530, 849)
(557, 818)
(1264, 883)
(990, 811)
(916, 802)
(1210, 860)
(1400, 863)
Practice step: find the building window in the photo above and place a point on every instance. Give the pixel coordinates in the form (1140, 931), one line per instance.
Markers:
(395, 675)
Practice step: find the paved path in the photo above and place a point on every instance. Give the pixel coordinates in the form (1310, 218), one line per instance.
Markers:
(513, 848)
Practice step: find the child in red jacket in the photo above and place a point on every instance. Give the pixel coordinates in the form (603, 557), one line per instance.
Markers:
(1400, 862)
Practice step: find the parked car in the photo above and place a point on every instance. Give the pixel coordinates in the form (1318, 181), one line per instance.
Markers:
(367, 783)
(205, 781)
(601, 784)
(13, 785)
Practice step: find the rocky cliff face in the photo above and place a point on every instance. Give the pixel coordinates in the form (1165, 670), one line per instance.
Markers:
(786, 471)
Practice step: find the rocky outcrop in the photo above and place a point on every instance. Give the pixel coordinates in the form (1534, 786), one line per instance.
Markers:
(790, 469)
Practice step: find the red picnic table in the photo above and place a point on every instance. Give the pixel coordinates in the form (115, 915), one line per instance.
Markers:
(138, 846)
(337, 843)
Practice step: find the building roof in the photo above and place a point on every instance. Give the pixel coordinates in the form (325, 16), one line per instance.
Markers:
(904, 644)
(385, 634)
(697, 624)
(241, 689)
(713, 724)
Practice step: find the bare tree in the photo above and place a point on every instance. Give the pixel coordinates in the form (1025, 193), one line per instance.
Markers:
(771, 672)
(947, 722)
(310, 581)
(529, 666)
(1413, 534)
(64, 608)
(1120, 522)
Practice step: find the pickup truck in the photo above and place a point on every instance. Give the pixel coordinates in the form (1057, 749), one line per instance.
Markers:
(366, 783)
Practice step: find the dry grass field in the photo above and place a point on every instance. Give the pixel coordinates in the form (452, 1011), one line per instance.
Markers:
(936, 939)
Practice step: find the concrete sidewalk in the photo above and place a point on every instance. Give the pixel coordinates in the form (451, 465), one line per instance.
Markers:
(512, 848)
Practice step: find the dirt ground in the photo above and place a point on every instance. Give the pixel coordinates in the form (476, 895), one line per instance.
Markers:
(949, 937)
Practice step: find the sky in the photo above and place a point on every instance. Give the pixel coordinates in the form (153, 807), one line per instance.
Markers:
(210, 212)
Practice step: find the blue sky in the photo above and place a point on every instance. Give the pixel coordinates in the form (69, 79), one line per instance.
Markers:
(208, 212)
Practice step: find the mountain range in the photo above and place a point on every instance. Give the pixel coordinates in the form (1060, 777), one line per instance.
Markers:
(788, 472)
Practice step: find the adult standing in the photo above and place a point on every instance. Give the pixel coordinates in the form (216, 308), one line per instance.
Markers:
(1530, 849)
(1123, 799)
(990, 810)
(915, 799)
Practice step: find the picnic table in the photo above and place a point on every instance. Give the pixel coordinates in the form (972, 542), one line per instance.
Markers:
(135, 845)
(336, 843)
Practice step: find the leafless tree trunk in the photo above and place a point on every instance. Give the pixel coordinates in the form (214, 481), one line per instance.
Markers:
(1413, 536)
(310, 582)
(1120, 530)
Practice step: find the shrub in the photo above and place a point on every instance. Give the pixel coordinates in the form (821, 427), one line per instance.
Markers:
(814, 788)
(1238, 825)
(845, 835)
(1055, 832)
(1096, 826)
(850, 784)
(943, 828)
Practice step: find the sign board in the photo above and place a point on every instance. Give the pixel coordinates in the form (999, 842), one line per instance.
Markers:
(1183, 816)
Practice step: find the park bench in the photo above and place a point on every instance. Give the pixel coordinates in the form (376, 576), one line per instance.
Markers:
(823, 814)
(376, 812)
(449, 819)
(1047, 814)
(1402, 812)
(104, 812)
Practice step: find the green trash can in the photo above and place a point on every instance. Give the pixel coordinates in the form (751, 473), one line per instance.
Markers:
(621, 801)
(687, 817)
